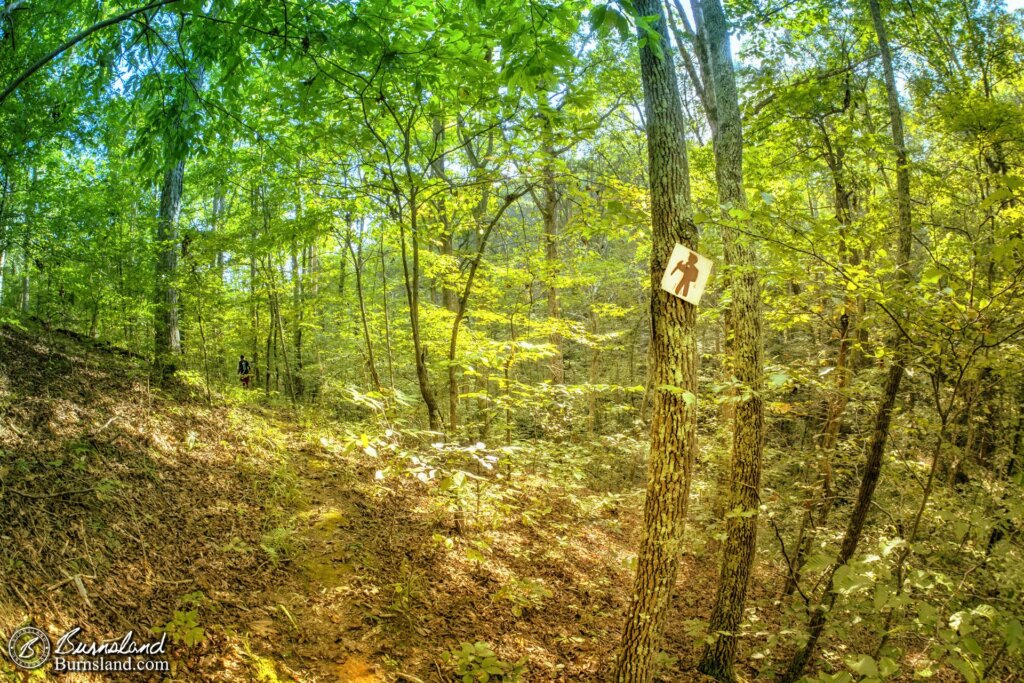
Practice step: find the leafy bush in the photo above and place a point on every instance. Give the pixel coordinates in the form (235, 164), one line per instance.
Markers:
(476, 662)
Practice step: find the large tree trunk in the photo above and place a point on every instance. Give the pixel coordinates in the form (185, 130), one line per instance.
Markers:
(673, 358)
(167, 337)
(747, 361)
(876, 445)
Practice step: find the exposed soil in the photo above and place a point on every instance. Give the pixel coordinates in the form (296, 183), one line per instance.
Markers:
(301, 553)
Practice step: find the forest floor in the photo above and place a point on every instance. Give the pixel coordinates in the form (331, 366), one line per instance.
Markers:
(274, 545)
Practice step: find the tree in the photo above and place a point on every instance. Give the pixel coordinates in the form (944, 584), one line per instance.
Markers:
(673, 356)
(883, 417)
(747, 362)
(167, 336)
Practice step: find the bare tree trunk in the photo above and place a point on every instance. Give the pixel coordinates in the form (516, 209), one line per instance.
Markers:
(298, 257)
(509, 362)
(876, 444)
(818, 511)
(254, 318)
(747, 349)
(447, 247)
(357, 263)
(202, 336)
(551, 214)
(904, 554)
(167, 336)
(270, 352)
(26, 257)
(387, 315)
(284, 349)
(5, 190)
(673, 357)
(592, 397)
(412, 290)
(299, 271)
(25, 281)
(271, 332)
(460, 304)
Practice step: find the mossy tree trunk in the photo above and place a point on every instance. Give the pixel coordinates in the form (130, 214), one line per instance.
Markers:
(673, 358)
(747, 358)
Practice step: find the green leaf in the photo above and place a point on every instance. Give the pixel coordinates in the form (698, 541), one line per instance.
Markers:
(865, 665)
(887, 667)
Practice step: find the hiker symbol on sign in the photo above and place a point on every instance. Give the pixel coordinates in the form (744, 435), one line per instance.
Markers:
(686, 275)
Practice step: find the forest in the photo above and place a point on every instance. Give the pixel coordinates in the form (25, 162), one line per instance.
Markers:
(534, 340)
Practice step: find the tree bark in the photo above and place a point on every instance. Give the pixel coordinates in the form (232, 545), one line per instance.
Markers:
(167, 336)
(748, 359)
(818, 512)
(387, 315)
(673, 358)
(6, 188)
(284, 348)
(25, 301)
(447, 247)
(460, 313)
(300, 268)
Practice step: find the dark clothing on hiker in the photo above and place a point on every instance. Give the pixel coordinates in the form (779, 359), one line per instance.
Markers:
(243, 370)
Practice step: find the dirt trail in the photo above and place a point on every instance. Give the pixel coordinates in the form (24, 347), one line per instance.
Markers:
(314, 627)
(277, 549)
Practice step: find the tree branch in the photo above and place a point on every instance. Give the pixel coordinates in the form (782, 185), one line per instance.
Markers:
(25, 75)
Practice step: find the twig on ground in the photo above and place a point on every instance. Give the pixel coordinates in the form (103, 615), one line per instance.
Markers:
(408, 677)
(55, 494)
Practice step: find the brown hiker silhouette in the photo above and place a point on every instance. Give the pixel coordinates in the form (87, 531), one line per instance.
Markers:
(690, 273)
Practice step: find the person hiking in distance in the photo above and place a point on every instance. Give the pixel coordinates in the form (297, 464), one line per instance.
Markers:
(244, 371)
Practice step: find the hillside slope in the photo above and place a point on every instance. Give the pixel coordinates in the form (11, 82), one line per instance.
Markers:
(274, 551)
(118, 501)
